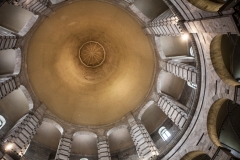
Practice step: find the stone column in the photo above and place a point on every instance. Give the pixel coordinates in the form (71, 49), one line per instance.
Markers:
(145, 147)
(165, 25)
(64, 147)
(19, 137)
(35, 6)
(8, 85)
(8, 42)
(173, 111)
(103, 148)
(184, 71)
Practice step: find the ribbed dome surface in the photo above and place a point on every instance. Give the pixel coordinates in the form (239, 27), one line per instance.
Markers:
(116, 83)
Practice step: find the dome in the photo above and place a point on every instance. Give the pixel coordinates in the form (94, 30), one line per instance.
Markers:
(119, 80)
(84, 90)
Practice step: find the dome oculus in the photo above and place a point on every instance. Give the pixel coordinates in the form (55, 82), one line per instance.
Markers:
(92, 54)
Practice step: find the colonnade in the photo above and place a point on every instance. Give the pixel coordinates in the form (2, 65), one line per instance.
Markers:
(166, 24)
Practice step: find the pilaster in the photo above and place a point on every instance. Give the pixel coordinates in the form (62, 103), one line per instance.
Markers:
(145, 147)
(8, 85)
(35, 6)
(8, 42)
(64, 147)
(173, 111)
(103, 148)
(165, 25)
(181, 70)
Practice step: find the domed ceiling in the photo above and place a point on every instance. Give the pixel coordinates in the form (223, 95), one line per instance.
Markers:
(90, 63)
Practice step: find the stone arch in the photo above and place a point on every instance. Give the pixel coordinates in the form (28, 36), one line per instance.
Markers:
(10, 62)
(223, 125)
(144, 109)
(206, 5)
(110, 131)
(28, 96)
(218, 63)
(194, 155)
(85, 133)
(212, 120)
(59, 127)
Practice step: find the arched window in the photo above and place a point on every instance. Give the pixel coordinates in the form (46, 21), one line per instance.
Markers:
(2, 121)
(191, 51)
(190, 84)
(163, 132)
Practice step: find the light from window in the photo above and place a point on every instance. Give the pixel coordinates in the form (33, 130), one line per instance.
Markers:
(191, 51)
(83, 159)
(190, 84)
(163, 132)
(2, 121)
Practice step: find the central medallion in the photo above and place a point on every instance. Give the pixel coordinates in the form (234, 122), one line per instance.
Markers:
(92, 54)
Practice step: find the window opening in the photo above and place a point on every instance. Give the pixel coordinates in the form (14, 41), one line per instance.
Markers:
(2, 121)
(163, 132)
(191, 51)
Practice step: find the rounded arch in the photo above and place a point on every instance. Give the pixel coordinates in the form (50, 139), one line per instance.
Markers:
(110, 131)
(28, 96)
(54, 124)
(85, 133)
(10, 62)
(212, 120)
(144, 109)
(196, 155)
(218, 63)
(207, 5)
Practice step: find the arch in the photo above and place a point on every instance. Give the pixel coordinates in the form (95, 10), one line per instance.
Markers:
(206, 5)
(28, 96)
(54, 124)
(196, 155)
(144, 109)
(109, 132)
(212, 120)
(10, 62)
(85, 133)
(21, 20)
(218, 63)
(173, 46)
(2, 121)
